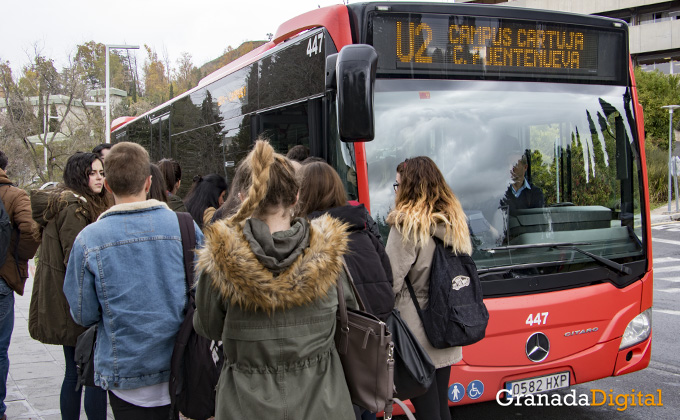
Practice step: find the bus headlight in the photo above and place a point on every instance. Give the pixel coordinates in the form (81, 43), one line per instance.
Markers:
(638, 330)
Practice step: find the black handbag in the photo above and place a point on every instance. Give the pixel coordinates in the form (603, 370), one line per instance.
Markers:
(365, 348)
(413, 368)
(84, 357)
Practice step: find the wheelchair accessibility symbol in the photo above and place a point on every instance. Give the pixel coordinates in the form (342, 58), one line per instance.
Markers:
(456, 392)
(475, 389)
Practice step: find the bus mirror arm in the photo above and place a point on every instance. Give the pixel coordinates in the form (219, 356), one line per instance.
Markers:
(355, 68)
(331, 83)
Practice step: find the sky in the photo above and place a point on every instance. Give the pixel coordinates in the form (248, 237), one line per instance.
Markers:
(203, 28)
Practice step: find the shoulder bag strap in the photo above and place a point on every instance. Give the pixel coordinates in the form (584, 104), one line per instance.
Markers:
(344, 322)
(403, 406)
(354, 287)
(413, 297)
(186, 229)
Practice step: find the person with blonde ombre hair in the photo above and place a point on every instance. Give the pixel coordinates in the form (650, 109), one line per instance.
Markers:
(424, 207)
(267, 288)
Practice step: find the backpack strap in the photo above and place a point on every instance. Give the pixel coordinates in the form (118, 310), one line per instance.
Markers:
(410, 286)
(186, 229)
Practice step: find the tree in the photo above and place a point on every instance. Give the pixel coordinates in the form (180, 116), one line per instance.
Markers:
(38, 92)
(186, 75)
(155, 81)
(655, 90)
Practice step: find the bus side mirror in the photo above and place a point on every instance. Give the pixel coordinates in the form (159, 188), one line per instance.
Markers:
(352, 73)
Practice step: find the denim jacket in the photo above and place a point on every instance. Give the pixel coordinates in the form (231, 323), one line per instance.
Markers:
(126, 274)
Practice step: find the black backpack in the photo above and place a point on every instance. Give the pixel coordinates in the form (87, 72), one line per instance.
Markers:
(196, 361)
(456, 314)
(5, 232)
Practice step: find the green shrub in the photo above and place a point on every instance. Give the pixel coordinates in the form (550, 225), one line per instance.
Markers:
(657, 173)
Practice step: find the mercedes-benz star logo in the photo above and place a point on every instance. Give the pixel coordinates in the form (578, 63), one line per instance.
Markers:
(538, 347)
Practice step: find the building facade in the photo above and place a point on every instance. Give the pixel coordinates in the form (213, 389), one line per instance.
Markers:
(654, 26)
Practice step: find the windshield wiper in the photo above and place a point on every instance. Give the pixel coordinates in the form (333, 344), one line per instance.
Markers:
(568, 246)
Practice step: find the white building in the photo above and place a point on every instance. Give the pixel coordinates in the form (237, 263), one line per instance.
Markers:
(76, 116)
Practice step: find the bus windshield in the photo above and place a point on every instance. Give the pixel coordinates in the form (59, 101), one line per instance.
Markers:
(531, 163)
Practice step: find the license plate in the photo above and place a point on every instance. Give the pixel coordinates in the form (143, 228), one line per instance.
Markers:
(538, 384)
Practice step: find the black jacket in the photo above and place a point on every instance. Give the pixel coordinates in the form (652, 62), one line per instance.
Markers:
(366, 259)
(529, 198)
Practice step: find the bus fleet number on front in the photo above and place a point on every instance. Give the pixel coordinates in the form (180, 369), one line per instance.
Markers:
(314, 45)
(538, 319)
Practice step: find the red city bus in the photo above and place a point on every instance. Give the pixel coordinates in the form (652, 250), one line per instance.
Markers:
(566, 277)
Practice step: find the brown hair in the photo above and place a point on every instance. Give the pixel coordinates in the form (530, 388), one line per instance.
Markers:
(171, 171)
(321, 188)
(273, 182)
(424, 200)
(239, 184)
(127, 167)
(157, 190)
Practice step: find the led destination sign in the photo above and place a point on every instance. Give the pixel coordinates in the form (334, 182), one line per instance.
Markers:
(424, 42)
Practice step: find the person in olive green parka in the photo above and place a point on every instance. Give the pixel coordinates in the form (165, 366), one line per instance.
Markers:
(60, 214)
(267, 288)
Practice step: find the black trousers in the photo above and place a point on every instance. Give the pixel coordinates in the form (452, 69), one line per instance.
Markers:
(123, 410)
(434, 404)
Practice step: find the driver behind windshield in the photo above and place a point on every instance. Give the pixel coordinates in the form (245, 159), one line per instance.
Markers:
(521, 194)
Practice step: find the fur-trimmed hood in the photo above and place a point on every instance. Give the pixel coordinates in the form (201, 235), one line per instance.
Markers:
(240, 278)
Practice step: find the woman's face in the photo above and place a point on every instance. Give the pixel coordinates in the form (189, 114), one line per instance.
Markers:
(96, 181)
(220, 200)
(396, 185)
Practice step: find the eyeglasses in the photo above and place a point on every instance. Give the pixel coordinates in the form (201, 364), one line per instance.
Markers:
(395, 186)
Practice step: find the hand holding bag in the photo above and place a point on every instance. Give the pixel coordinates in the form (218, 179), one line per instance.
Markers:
(365, 348)
(413, 368)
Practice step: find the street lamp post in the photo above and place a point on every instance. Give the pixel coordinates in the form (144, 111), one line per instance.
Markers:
(671, 161)
(46, 119)
(108, 99)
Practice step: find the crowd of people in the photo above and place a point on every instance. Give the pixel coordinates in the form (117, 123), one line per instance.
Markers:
(269, 247)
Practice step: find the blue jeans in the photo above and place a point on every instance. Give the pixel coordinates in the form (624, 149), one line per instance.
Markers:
(69, 401)
(6, 327)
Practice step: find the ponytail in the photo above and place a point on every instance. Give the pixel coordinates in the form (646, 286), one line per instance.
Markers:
(261, 159)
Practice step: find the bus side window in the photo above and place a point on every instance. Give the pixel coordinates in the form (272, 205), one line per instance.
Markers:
(285, 127)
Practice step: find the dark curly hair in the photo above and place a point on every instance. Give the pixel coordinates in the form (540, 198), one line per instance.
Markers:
(77, 178)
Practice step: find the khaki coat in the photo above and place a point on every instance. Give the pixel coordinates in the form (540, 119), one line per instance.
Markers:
(276, 320)
(414, 260)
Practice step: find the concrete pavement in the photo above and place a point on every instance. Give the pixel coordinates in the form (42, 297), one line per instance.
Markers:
(36, 370)
(661, 214)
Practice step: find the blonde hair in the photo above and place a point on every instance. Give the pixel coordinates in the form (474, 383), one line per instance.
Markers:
(425, 200)
(272, 182)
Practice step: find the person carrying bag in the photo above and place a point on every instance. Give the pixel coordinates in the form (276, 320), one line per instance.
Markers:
(366, 352)
(425, 208)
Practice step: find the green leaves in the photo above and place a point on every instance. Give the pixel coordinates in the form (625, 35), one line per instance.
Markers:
(655, 90)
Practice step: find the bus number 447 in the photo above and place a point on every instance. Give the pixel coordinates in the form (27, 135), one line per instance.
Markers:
(314, 45)
(538, 319)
